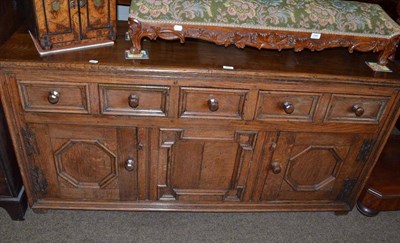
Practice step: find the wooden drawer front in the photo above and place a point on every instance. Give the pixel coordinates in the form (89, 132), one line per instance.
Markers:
(365, 109)
(287, 106)
(212, 103)
(134, 100)
(54, 97)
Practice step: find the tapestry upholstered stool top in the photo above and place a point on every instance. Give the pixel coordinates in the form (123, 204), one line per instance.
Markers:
(270, 24)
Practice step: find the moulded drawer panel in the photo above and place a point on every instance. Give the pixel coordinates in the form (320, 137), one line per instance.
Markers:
(359, 109)
(134, 100)
(212, 103)
(287, 105)
(71, 97)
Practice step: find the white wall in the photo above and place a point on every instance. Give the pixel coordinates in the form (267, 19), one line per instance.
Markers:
(122, 12)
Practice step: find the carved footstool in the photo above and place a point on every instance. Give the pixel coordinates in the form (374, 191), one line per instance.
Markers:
(275, 24)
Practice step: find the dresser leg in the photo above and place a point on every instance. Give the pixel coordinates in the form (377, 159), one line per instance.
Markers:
(369, 212)
(15, 207)
(341, 213)
(39, 210)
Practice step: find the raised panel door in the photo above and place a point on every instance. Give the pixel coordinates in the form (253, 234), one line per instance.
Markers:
(84, 162)
(203, 164)
(309, 166)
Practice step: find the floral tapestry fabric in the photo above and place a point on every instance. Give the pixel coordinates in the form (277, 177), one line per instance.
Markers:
(322, 16)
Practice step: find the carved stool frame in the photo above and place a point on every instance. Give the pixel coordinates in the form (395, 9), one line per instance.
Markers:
(261, 39)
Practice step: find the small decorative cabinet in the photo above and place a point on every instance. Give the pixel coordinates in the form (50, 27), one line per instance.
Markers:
(281, 131)
(60, 23)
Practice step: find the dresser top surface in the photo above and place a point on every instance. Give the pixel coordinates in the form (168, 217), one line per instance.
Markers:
(201, 57)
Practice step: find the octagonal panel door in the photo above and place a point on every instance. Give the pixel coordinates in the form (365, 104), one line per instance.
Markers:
(309, 166)
(82, 162)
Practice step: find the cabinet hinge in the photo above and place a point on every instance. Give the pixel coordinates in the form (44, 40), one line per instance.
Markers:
(347, 188)
(366, 149)
(273, 146)
(30, 141)
(39, 181)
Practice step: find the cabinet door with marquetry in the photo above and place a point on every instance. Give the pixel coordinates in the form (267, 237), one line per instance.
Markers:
(204, 164)
(97, 18)
(83, 162)
(63, 22)
(58, 21)
(311, 166)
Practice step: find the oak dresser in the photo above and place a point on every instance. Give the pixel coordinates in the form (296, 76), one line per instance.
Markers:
(196, 127)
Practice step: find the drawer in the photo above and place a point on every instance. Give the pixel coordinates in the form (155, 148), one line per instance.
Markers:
(212, 103)
(287, 105)
(134, 100)
(54, 97)
(349, 108)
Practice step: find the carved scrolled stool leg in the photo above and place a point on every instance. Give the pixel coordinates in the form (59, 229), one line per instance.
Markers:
(389, 52)
(135, 33)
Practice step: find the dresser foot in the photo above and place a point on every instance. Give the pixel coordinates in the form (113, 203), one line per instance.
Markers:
(341, 213)
(39, 210)
(369, 212)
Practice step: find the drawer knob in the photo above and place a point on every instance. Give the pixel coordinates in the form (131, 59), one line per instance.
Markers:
(129, 164)
(213, 104)
(276, 167)
(358, 110)
(288, 107)
(133, 101)
(54, 97)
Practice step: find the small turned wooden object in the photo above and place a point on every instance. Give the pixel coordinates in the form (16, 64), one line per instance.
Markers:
(382, 192)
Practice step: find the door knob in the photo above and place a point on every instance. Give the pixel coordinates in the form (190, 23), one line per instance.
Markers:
(276, 167)
(72, 4)
(130, 164)
(82, 3)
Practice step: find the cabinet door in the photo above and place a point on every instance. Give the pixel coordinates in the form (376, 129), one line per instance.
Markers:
(83, 162)
(58, 21)
(97, 18)
(204, 165)
(309, 166)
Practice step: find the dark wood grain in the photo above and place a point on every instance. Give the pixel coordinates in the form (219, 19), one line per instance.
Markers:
(11, 18)
(124, 2)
